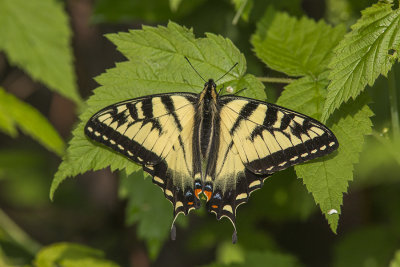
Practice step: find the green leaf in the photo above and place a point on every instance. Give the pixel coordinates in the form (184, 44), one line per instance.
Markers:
(322, 177)
(71, 255)
(296, 47)
(396, 260)
(155, 64)
(306, 95)
(30, 121)
(35, 36)
(364, 54)
(263, 25)
(148, 208)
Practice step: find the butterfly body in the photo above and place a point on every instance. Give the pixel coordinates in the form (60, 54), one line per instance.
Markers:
(223, 147)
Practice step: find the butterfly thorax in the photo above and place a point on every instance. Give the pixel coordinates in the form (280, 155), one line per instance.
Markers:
(207, 115)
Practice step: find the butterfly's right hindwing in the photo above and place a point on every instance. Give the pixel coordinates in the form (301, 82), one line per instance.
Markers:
(156, 132)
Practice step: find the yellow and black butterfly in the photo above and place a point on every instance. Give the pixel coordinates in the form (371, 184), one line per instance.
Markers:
(219, 146)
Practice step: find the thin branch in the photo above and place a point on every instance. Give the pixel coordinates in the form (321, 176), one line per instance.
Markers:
(394, 108)
(239, 12)
(17, 234)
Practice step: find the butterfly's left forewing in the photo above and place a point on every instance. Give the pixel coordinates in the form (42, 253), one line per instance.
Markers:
(154, 131)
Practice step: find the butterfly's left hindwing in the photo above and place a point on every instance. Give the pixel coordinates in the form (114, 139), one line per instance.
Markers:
(154, 131)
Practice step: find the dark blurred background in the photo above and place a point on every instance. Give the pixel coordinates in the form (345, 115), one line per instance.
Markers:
(280, 217)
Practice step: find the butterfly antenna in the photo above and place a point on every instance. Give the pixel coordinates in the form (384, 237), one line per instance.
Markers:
(241, 90)
(227, 72)
(219, 92)
(194, 69)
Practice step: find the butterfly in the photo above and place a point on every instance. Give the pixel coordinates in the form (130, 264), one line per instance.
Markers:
(208, 145)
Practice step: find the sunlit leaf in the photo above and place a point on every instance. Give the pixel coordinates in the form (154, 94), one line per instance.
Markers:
(42, 51)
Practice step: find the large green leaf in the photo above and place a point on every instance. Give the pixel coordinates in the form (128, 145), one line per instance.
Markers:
(15, 112)
(323, 177)
(366, 52)
(296, 47)
(35, 36)
(155, 64)
(350, 124)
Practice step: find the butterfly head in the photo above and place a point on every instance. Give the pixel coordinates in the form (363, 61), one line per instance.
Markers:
(210, 88)
(208, 97)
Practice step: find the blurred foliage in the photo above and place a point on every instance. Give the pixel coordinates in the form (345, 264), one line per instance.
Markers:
(396, 261)
(147, 207)
(71, 255)
(31, 122)
(301, 44)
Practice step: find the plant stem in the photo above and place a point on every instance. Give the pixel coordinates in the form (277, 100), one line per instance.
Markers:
(239, 13)
(17, 234)
(275, 80)
(394, 110)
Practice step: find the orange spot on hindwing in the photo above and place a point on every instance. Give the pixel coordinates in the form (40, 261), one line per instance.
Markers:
(208, 194)
(197, 193)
